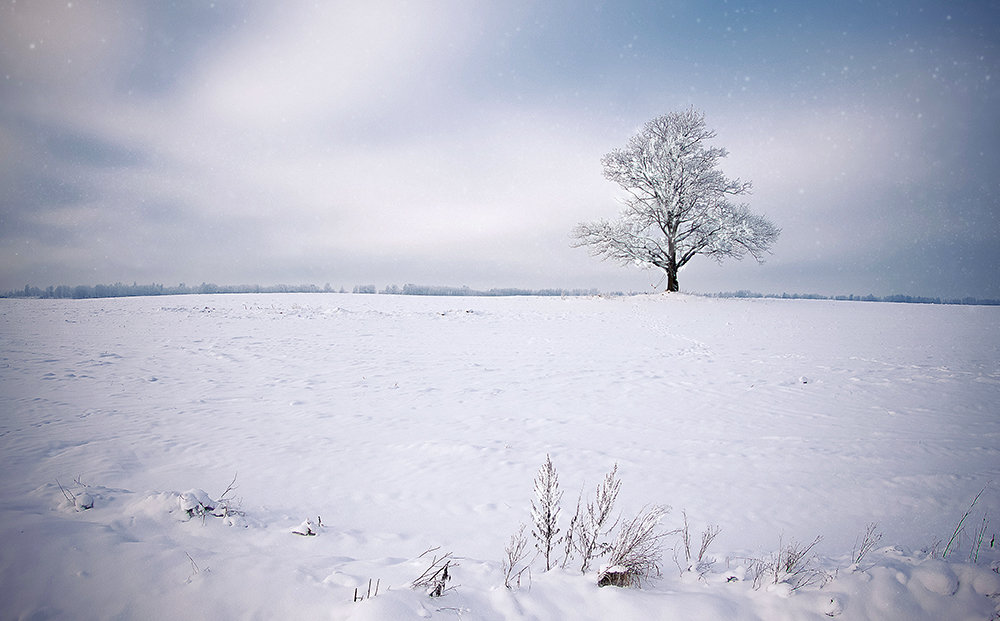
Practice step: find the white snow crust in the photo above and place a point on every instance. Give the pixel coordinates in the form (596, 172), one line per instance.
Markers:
(391, 426)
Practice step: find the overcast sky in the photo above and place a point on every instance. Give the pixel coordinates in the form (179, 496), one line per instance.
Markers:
(458, 143)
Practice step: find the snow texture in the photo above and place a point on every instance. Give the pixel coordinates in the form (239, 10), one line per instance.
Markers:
(399, 429)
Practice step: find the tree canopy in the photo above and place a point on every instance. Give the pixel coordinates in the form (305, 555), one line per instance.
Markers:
(678, 203)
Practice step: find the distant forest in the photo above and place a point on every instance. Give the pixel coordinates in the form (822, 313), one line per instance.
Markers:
(119, 290)
(904, 299)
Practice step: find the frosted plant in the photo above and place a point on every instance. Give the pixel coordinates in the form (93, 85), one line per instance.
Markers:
(592, 523)
(699, 561)
(866, 543)
(637, 551)
(677, 202)
(569, 540)
(545, 510)
(515, 555)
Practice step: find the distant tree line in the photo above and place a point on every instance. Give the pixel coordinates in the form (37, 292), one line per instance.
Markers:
(118, 290)
(466, 291)
(905, 299)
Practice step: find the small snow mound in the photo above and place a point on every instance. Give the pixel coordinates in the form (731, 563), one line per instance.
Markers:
(985, 582)
(833, 607)
(306, 529)
(936, 576)
(390, 605)
(616, 575)
(195, 502)
(84, 501)
(781, 589)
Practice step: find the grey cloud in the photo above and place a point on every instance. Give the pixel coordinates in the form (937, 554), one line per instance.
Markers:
(460, 143)
(33, 189)
(176, 39)
(70, 147)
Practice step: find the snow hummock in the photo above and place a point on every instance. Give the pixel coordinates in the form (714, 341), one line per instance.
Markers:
(204, 436)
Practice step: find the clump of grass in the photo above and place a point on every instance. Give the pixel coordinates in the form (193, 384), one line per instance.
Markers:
(978, 536)
(692, 561)
(637, 550)
(792, 564)
(866, 543)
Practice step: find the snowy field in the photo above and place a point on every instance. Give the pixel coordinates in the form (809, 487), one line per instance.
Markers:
(399, 425)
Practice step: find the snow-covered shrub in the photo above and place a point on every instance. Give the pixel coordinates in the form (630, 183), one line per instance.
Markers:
(637, 550)
(196, 503)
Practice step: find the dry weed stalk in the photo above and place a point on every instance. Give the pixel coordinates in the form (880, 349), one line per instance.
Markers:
(435, 577)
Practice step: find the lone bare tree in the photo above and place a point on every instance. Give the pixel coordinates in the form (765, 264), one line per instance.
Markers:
(678, 202)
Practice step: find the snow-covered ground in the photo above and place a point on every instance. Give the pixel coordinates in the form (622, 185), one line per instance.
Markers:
(405, 425)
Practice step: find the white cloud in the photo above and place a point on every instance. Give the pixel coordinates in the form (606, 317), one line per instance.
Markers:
(303, 63)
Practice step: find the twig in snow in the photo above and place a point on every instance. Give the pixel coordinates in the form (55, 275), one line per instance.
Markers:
(868, 542)
(369, 594)
(436, 576)
(514, 565)
(434, 549)
(232, 485)
(70, 498)
(959, 528)
(977, 539)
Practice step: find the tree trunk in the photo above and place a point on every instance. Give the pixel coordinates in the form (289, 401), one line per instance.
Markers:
(672, 280)
(671, 269)
(672, 266)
